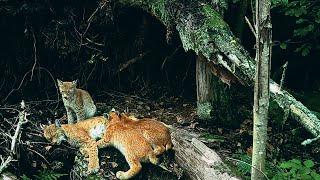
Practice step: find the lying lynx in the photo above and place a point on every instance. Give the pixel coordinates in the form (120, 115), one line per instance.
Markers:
(130, 142)
(78, 103)
(82, 134)
(154, 131)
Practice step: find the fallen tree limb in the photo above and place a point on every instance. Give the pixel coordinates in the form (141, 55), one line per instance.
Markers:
(22, 120)
(204, 31)
(196, 159)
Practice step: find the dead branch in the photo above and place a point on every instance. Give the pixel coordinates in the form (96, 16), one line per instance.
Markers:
(22, 120)
(132, 61)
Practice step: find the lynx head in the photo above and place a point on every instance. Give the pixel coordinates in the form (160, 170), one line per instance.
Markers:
(67, 89)
(112, 116)
(54, 133)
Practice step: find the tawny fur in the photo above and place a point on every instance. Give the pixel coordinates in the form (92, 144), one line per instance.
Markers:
(78, 103)
(138, 140)
(154, 131)
(82, 134)
(130, 142)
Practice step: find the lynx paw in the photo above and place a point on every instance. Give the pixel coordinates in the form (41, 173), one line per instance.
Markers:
(121, 175)
(93, 169)
(154, 160)
(84, 152)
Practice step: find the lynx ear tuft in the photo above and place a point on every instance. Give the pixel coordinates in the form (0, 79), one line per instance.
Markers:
(57, 123)
(106, 115)
(59, 82)
(75, 82)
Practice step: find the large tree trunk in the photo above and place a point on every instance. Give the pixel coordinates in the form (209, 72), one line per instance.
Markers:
(263, 29)
(204, 31)
(214, 100)
(205, 90)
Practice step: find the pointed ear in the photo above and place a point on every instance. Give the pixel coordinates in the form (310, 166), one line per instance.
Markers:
(57, 123)
(106, 115)
(75, 82)
(59, 82)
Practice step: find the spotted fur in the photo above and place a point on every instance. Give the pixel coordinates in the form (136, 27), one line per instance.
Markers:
(154, 131)
(130, 142)
(83, 135)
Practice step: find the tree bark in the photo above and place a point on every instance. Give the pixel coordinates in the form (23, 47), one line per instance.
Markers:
(204, 31)
(196, 159)
(261, 87)
(204, 79)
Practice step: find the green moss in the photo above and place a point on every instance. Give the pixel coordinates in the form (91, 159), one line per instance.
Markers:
(214, 19)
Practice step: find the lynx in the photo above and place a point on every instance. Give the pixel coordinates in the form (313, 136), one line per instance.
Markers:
(82, 134)
(154, 131)
(130, 142)
(78, 103)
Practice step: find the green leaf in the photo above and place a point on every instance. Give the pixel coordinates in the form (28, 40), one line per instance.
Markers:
(305, 177)
(24, 177)
(315, 175)
(308, 163)
(283, 45)
(286, 165)
(305, 51)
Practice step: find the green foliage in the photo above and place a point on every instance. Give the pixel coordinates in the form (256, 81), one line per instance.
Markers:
(306, 33)
(295, 169)
(45, 175)
(244, 167)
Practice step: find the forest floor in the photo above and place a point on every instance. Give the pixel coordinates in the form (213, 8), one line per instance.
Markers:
(37, 156)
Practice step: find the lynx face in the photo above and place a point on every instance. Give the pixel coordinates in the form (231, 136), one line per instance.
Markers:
(67, 89)
(54, 134)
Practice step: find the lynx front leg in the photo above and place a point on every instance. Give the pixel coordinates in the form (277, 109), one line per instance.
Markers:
(89, 150)
(135, 167)
(80, 115)
(70, 116)
(93, 165)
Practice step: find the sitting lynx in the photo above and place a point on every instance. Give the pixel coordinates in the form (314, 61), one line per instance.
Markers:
(78, 103)
(154, 131)
(130, 143)
(82, 134)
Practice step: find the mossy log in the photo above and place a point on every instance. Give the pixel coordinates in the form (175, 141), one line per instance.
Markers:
(203, 30)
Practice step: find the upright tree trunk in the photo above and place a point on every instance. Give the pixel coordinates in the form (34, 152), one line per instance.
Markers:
(204, 78)
(213, 96)
(261, 87)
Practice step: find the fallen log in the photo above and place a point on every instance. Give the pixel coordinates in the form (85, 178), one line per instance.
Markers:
(196, 159)
(203, 30)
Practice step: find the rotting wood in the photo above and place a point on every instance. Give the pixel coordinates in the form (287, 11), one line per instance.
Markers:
(204, 31)
(204, 88)
(196, 159)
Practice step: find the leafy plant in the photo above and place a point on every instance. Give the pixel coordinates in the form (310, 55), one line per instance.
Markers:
(244, 167)
(295, 169)
(44, 175)
(306, 32)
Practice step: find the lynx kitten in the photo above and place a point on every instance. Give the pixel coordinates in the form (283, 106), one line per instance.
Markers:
(78, 103)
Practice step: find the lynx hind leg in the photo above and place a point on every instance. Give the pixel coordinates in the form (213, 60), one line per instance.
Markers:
(135, 167)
